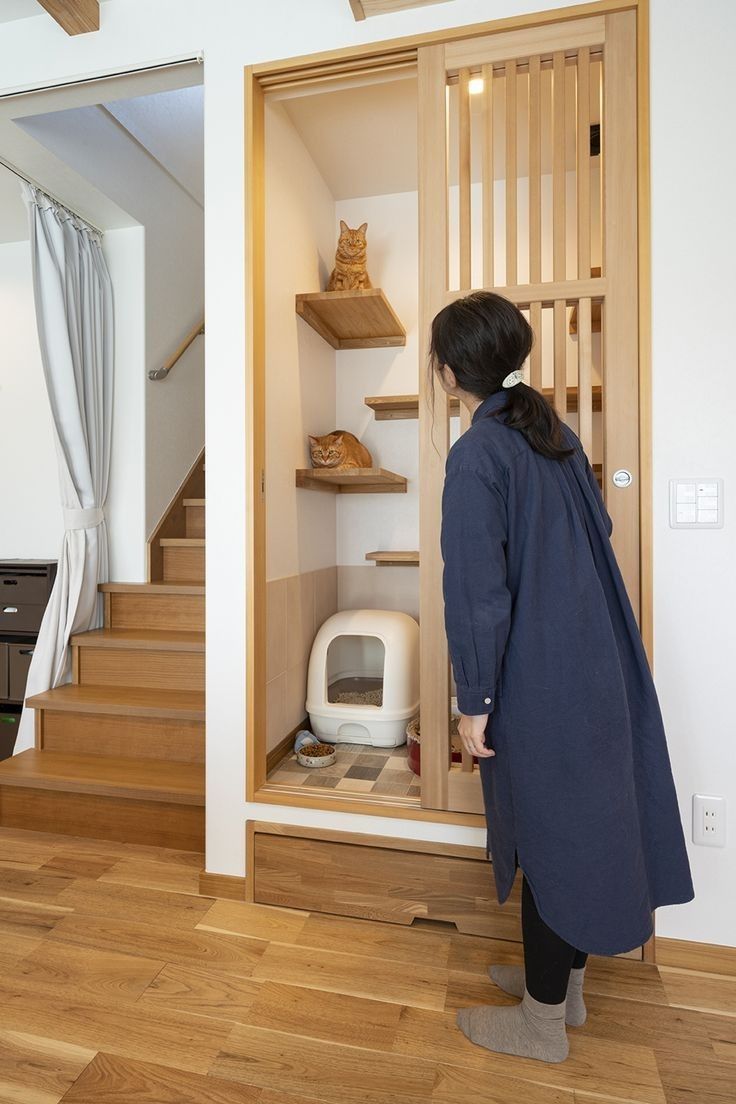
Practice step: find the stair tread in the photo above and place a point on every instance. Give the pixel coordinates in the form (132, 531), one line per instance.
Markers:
(194, 502)
(149, 779)
(130, 701)
(160, 587)
(172, 640)
(182, 542)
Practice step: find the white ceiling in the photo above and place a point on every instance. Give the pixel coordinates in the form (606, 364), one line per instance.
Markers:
(21, 9)
(167, 121)
(363, 138)
(171, 127)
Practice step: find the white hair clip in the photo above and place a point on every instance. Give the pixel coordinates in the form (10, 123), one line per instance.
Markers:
(513, 378)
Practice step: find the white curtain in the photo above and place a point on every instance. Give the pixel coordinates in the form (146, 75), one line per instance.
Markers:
(74, 315)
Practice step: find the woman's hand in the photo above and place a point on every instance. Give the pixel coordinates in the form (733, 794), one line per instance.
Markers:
(471, 731)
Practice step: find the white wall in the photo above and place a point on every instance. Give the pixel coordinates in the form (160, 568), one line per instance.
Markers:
(31, 525)
(92, 142)
(124, 252)
(300, 365)
(692, 419)
(694, 399)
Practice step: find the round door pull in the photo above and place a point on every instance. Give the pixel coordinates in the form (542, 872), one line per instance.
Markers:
(622, 478)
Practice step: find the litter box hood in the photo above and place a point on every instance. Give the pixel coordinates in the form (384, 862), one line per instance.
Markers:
(376, 644)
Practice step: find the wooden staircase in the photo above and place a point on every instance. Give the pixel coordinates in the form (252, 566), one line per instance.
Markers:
(119, 751)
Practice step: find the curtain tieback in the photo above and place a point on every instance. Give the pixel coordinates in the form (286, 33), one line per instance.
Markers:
(83, 519)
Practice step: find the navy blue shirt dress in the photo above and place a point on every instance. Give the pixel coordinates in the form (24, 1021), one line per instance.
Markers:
(542, 637)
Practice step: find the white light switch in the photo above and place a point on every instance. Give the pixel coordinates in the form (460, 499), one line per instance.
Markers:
(696, 503)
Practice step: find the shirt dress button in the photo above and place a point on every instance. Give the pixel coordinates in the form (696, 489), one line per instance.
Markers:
(487, 701)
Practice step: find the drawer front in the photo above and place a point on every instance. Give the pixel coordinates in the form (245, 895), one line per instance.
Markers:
(3, 671)
(19, 616)
(20, 660)
(20, 589)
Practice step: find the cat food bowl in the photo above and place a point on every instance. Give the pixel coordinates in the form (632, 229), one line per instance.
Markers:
(316, 755)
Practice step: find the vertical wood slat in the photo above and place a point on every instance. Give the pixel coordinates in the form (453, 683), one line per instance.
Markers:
(560, 357)
(621, 307)
(434, 433)
(585, 376)
(559, 244)
(463, 108)
(487, 170)
(511, 175)
(535, 214)
(535, 171)
(583, 161)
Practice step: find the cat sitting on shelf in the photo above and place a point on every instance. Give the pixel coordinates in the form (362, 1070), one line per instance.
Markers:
(339, 449)
(350, 273)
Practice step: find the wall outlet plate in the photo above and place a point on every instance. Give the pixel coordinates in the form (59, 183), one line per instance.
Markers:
(709, 820)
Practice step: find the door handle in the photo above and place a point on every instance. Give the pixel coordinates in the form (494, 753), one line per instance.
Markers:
(25, 651)
(10, 609)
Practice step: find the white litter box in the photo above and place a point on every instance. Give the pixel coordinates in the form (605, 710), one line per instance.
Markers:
(363, 677)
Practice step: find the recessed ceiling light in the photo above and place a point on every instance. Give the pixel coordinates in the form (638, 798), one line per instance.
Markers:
(475, 85)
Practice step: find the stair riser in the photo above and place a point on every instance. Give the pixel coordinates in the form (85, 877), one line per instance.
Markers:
(152, 669)
(157, 611)
(194, 521)
(183, 565)
(137, 737)
(156, 823)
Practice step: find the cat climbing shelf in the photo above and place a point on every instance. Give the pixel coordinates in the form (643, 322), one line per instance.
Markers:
(352, 319)
(351, 480)
(388, 407)
(394, 559)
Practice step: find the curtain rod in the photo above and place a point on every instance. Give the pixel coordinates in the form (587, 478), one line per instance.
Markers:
(103, 75)
(35, 184)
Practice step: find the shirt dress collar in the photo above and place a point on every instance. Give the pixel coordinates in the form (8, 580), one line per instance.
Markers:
(490, 403)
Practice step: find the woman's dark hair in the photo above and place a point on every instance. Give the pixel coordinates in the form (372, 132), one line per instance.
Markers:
(483, 337)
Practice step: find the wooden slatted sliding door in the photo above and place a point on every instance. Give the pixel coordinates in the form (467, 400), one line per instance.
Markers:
(528, 187)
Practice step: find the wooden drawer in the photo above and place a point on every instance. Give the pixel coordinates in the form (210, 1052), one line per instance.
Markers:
(23, 588)
(19, 617)
(378, 878)
(19, 660)
(4, 671)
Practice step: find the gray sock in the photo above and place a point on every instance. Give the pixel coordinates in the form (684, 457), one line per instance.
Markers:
(511, 980)
(530, 1029)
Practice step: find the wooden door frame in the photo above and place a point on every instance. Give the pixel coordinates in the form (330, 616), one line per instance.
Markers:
(313, 67)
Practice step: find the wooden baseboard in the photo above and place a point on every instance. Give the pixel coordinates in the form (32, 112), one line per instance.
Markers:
(283, 747)
(707, 958)
(230, 886)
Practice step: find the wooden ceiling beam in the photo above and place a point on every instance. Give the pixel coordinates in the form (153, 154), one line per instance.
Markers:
(74, 16)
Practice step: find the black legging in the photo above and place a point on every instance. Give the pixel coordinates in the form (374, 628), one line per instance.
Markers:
(548, 959)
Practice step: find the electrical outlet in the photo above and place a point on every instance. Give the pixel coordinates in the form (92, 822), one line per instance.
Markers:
(709, 820)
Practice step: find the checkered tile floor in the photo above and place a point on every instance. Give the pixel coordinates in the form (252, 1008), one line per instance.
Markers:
(359, 768)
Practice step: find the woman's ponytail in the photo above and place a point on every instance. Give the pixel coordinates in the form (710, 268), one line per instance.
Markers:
(484, 337)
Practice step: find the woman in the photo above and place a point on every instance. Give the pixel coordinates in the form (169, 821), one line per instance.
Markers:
(553, 686)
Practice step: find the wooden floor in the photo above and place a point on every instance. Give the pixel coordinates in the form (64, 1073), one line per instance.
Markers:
(119, 983)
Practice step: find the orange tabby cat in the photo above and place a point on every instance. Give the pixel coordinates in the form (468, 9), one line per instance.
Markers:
(339, 449)
(350, 273)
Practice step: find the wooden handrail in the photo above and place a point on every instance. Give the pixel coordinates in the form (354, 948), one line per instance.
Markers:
(163, 371)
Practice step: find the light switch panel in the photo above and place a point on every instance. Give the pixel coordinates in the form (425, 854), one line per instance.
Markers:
(696, 503)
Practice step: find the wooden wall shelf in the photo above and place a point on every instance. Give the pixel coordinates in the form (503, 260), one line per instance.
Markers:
(390, 407)
(352, 319)
(395, 559)
(351, 480)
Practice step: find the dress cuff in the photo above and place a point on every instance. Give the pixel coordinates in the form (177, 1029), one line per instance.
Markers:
(473, 703)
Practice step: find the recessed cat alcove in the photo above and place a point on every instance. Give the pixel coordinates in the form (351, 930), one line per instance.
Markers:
(361, 319)
(363, 677)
